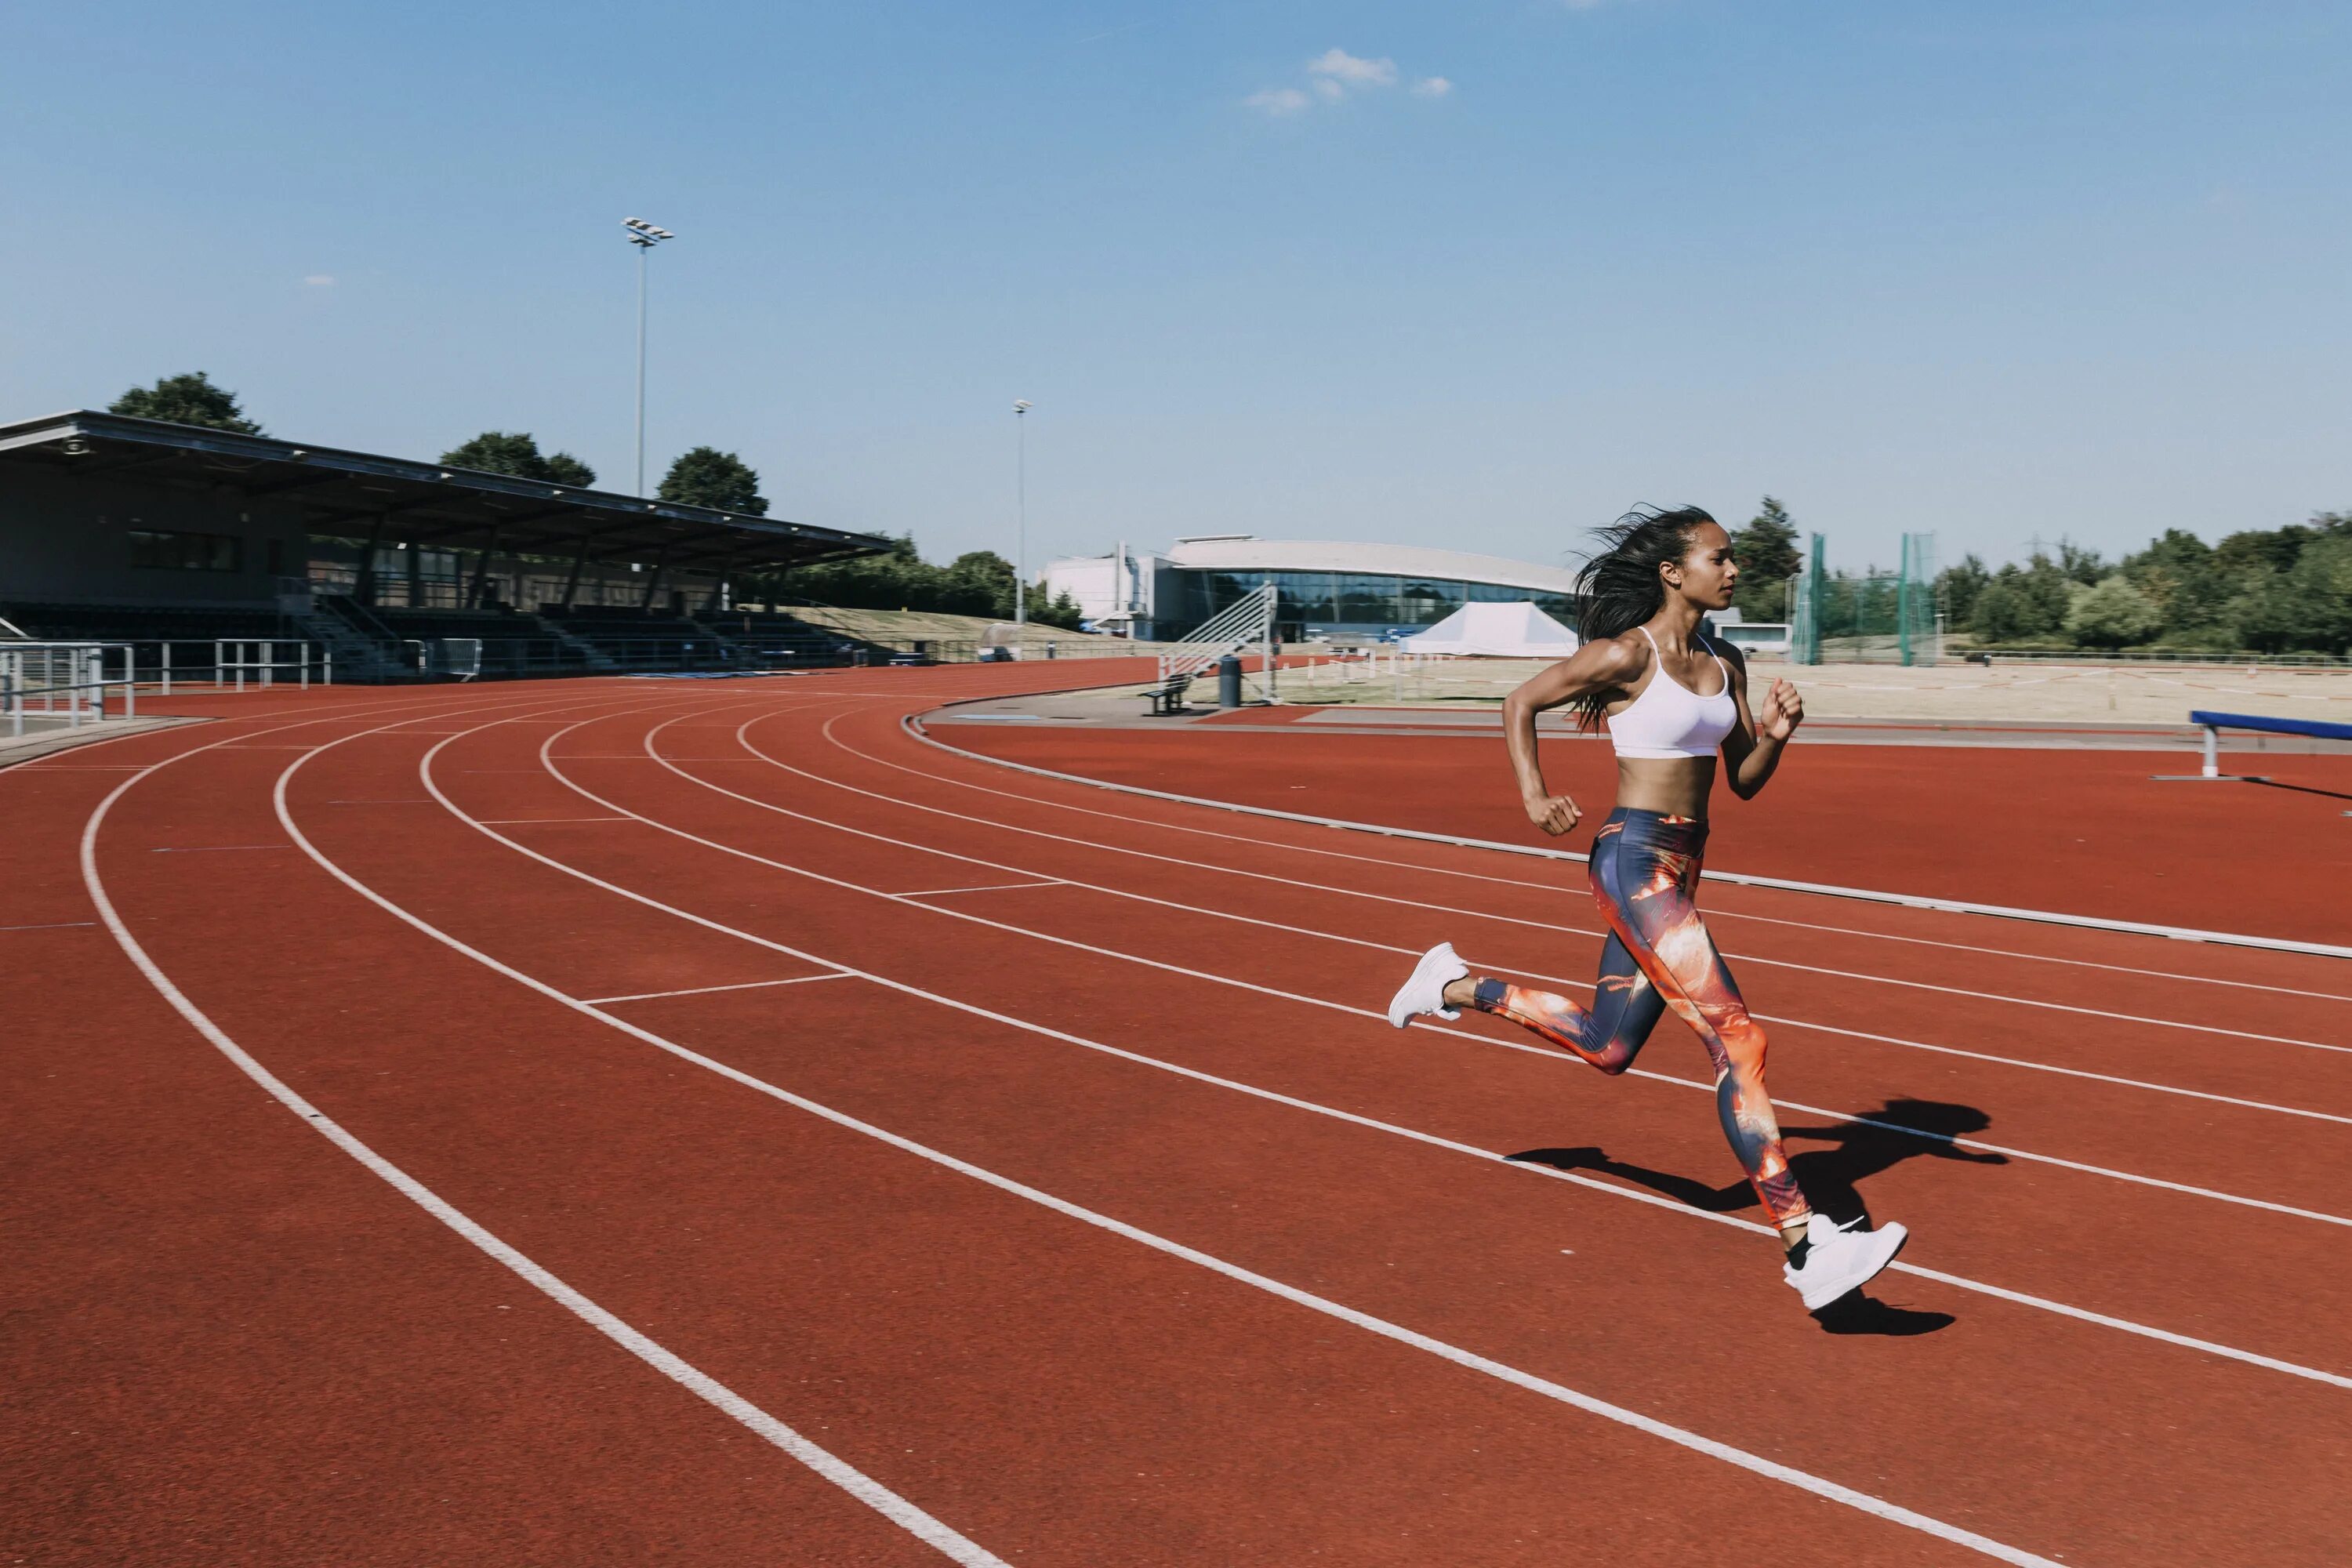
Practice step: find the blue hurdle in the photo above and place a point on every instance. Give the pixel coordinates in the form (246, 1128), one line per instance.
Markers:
(2214, 723)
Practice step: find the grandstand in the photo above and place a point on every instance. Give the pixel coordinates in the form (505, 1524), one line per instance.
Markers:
(173, 539)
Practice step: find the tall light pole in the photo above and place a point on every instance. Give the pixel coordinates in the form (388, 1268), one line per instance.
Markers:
(645, 237)
(1021, 549)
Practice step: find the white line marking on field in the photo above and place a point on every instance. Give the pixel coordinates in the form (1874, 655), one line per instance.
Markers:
(425, 764)
(216, 848)
(1358, 942)
(706, 990)
(871, 1492)
(1212, 865)
(1755, 1464)
(990, 888)
(524, 821)
(52, 925)
(1824, 890)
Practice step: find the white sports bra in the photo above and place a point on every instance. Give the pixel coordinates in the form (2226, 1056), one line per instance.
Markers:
(1670, 719)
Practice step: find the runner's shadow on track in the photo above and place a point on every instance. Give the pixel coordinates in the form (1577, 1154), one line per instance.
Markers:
(1830, 1177)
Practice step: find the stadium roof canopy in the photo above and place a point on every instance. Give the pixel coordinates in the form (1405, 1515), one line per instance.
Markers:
(1244, 553)
(359, 495)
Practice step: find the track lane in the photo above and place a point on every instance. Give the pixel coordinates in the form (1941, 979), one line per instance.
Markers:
(802, 848)
(2133, 1004)
(902, 1077)
(988, 773)
(184, 1264)
(972, 1281)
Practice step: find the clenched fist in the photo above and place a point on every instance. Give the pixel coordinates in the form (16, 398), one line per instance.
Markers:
(1555, 814)
(1782, 712)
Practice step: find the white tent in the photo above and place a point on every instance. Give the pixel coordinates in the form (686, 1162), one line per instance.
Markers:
(1516, 630)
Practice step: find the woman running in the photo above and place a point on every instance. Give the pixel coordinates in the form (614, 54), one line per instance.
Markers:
(1645, 669)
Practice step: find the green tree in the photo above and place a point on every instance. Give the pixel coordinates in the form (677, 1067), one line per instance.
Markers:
(1767, 555)
(2021, 603)
(2112, 613)
(2265, 612)
(190, 399)
(518, 454)
(1957, 588)
(2178, 574)
(2322, 585)
(708, 477)
(2077, 563)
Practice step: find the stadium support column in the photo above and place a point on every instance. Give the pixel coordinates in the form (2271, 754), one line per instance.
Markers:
(653, 582)
(482, 570)
(363, 590)
(572, 579)
(710, 606)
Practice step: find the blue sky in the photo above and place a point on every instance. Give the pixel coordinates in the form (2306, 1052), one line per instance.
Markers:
(2001, 270)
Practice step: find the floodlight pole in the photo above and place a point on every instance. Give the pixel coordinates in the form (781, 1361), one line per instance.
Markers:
(1021, 546)
(645, 237)
(643, 251)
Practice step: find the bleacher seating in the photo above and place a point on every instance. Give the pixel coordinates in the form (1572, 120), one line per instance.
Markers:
(634, 640)
(512, 643)
(775, 640)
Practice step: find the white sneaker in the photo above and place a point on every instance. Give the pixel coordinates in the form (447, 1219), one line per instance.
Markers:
(1839, 1259)
(1425, 992)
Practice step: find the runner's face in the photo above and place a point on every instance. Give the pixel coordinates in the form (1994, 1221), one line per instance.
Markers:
(1707, 570)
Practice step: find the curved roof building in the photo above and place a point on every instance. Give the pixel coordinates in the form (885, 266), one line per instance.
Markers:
(1334, 586)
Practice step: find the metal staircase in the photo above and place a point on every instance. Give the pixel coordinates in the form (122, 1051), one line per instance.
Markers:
(1246, 622)
(595, 658)
(363, 646)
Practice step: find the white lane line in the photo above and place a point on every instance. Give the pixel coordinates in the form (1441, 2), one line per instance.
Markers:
(856, 1482)
(217, 848)
(1755, 1464)
(526, 821)
(911, 726)
(1826, 890)
(989, 887)
(51, 925)
(1360, 942)
(706, 990)
(425, 766)
(1996, 997)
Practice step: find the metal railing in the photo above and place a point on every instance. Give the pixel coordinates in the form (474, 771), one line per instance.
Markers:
(62, 685)
(1247, 620)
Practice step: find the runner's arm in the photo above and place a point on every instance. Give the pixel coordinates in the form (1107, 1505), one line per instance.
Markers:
(1603, 665)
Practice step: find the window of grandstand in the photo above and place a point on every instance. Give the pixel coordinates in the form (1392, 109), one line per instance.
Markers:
(183, 552)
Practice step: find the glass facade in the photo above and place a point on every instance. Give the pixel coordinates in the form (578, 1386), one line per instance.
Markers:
(1358, 603)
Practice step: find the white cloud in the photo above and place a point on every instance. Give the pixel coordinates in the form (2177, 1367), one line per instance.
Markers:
(320, 281)
(1278, 100)
(1339, 66)
(1334, 74)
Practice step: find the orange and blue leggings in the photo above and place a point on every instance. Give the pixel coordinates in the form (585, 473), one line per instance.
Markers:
(1645, 869)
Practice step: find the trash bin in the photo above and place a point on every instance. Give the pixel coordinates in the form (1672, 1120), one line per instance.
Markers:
(1229, 682)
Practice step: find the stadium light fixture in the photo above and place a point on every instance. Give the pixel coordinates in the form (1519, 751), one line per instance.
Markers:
(645, 237)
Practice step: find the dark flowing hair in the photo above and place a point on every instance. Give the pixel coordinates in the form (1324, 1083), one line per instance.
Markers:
(1618, 581)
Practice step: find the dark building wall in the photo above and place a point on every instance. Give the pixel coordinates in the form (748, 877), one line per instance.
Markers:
(69, 539)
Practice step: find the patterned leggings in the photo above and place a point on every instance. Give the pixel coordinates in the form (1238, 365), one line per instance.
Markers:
(1645, 874)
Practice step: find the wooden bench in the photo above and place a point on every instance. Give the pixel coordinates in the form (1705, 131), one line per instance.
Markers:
(1168, 697)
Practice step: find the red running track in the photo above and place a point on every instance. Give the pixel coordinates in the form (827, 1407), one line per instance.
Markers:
(2088, 832)
(1012, 1172)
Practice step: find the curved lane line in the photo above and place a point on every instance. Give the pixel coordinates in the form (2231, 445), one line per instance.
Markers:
(857, 1484)
(2230, 1353)
(1770, 1470)
(1826, 890)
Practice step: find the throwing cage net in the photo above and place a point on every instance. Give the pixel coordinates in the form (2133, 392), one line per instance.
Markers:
(1872, 616)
